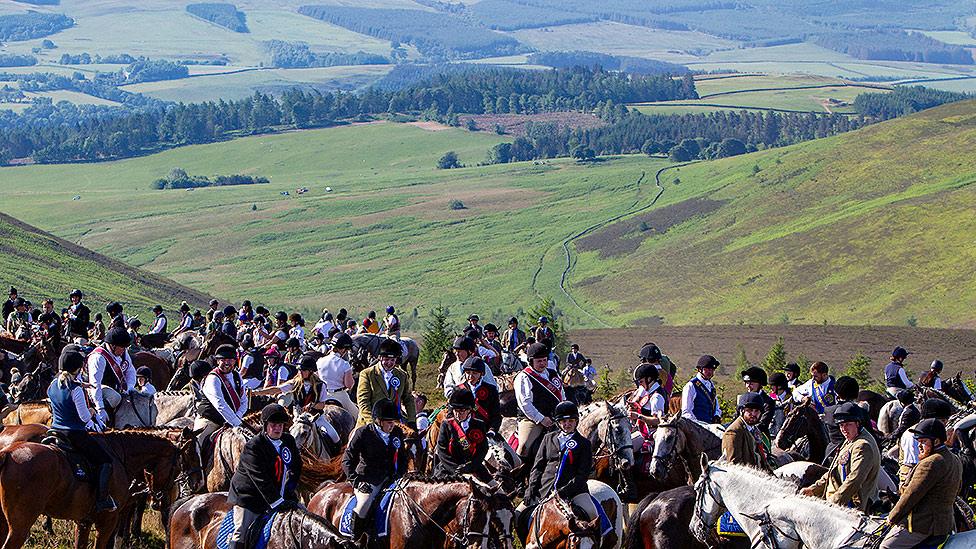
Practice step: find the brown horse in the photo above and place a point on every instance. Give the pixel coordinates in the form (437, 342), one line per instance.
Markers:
(803, 421)
(13, 345)
(35, 411)
(138, 457)
(451, 512)
(22, 433)
(161, 370)
(661, 522)
(195, 522)
(682, 440)
(554, 524)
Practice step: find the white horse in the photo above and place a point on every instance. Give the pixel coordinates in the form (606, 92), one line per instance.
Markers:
(771, 514)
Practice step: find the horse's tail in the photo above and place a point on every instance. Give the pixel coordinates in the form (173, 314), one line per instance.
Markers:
(634, 539)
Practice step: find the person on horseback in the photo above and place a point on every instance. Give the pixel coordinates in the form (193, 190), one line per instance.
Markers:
(159, 323)
(133, 329)
(10, 304)
(908, 447)
(336, 372)
(278, 336)
(392, 323)
(297, 330)
(932, 378)
(513, 340)
(894, 373)
(780, 393)
(792, 373)
(374, 458)
(491, 341)
(852, 479)
(144, 384)
(699, 401)
(110, 372)
(228, 326)
(212, 307)
(246, 314)
(225, 400)
(275, 369)
(386, 380)
(252, 363)
(755, 379)
(78, 316)
(19, 320)
(305, 393)
(464, 348)
(293, 351)
(648, 404)
(538, 390)
(819, 388)
(847, 389)
(487, 406)
(542, 330)
(370, 324)
(650, 354)
(266, 475)
(461, 445)
(925, 507)
(51, 323)
(186, 321)
(72, 418)
(473, 321)
(318, 344)
(742, 442)
(563, 464)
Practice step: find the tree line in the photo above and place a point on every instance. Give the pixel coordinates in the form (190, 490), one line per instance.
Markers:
(225, 15)
(292, 55)
(894, 45)
(25, 26)
(622, 63)
(179, 179)
(904, 100)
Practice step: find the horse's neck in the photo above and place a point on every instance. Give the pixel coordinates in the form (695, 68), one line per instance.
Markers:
(301, 529)
(698, 439)
(743, 495)
(818, 524)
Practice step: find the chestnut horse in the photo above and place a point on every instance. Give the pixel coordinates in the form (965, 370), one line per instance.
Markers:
(424, 512)
(195, 522)
(554, 525)
(137, 457)
(35, 411)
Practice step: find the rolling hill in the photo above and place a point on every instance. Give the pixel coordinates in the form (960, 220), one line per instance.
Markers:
(41, 265)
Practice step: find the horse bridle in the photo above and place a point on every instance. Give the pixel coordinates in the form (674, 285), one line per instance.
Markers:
(567, 514)
(458, 539)
(614, 450)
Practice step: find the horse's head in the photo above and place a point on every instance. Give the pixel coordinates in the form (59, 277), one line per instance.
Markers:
(669, 442)
(794, 426)
(28, 388)
(618, 437)
(488, 517)
(190, 479)
(554, 519)
(303, 429)
(708, 505)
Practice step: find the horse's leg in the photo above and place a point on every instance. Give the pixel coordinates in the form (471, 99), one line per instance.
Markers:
(106, 530)
(48, 526)
(82, 531)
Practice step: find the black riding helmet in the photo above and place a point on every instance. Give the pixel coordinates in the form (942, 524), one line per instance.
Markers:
(199, 369)
(792, 367)
(341, 341)
(385, 409)
(464, 343)
(225, 351)
(307, 364)
(537, 350)
(778, 379)
(390, 348)
(936, 365)
(474, 364)
(76, 292)
(292, 342)
(848, 411)
(649, 353)
(71, 359)
(936, 408)
(157, 309)
(461, 398)
(281, 316)
(274, 413)
(751, 400)
(118, 336)
(566, 410)
(113, 308)
(929, 428)
(756, 374)
(146, 372)
(646, 370)
(491, 327)
(707, 361)
(846, 388)
(230, 311)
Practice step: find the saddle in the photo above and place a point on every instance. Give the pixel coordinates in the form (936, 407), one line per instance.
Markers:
(80, 466)
(257, 535)
(933, 542)
(379, 510)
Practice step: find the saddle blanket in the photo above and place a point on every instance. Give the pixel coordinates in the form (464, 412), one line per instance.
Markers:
(606, 525)
(227, 527)
(381, 516)
(727, 526)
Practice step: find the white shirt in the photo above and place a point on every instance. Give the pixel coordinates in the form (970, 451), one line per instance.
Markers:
(655, 401)
(96, 372)
(299, 333)
(454, 377)
(292, 385)
(282, 375)
(146, 389)
(383, 435)
(213, 392)
(909, 448)
(246, 362)
(323, 327)
(186, 322)
(937, 384)
(486, 353)
(803, 391)
(332, 370)
(688, 398)
(523, 394)
(159, 325)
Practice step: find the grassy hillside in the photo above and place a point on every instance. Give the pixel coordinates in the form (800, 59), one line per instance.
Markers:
(41, 265)
(871, 227)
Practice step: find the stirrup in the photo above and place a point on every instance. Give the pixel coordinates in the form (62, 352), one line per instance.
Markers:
(106, 504)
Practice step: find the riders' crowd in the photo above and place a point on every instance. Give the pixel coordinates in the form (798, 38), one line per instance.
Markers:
(272, 358)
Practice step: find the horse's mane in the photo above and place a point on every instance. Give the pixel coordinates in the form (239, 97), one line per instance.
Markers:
(416, 476)
(43, 402)
(173, 393)
(127, 437)
(316, 471)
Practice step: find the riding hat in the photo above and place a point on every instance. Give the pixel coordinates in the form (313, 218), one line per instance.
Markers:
(47, 318)
(461, 398)
(385, 409)
(390, 310)
(474, 364)
(262, 310)
(707, 361)
(20, 302)
(929, 428)
(566, 410)
(230, 311)
(900, 352)
(225, 351)
(157, 309)
(75, 292)
(214, 303)
(792, 367)
(464, 343)
(113, 307)
(274, 413)
(391, 348)
(778, 380)
(246, 303)
(307, 364)
(200, 368)
(646, 370)
(71, 359)
(219, 315)
(185, 307)
(144, 371)
(12, 290)
(649, 353)
(755, 373)
(905, 397)
(118, 336)
(848, 411)
(281, 316)
(751, 400)
(936, 365)
(491, 327)
(543, 320)
(135, 323)
(513, 320)
(537, 350)
(473, 317)
(293, 342)
(318, 335)
(341, 341)
(936, 408)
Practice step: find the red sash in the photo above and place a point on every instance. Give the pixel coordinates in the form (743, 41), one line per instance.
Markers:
(471, 447)
(234, 397)
(556, 391)
(117, 366)
(478, 407)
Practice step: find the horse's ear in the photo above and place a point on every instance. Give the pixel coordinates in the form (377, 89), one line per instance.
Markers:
(704, 461)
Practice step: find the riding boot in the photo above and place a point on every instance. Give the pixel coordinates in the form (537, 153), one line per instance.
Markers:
(104, 501)
(357, 527)
(966, 442)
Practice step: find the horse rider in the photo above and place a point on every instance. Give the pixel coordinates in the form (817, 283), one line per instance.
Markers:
(492, 342)
(266, 475)
(392, 323)
(110, 372)
(386, 380)
(792, 373)
(19, 320)
(542, 330)
(211, 310)
(375, 457)
(852, 479)
(908, 447)
(77, 316)
(10, 304)
(819, 388)
(461, 443)
(893, 409)
(246, 314)
(911, 414)
(336, 372)
(225, 401)
(742, 442)
(159, 323)
(487, 406)
(52, 322)
(293, 351)
(894, 373)
(648, 405)
(575, 359)
(276, 370)
(563, 464)
(186, 321)
(370, 324)
(699, 401)
(846, 389)
(305, 393)
(538, 391)
(252, 363)
(755, 379)
(473, 321)
(650, 354)
(933, 378)
(72, 418)
(144, 384)
(464, 348)
(133, 328)
(318, 344)
(513, 340)
(781, 395)
(227, 326)
(925, 507)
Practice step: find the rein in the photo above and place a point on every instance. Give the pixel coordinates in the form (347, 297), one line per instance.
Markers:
(400, 487)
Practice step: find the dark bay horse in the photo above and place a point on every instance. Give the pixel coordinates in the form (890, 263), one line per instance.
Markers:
(803, 421)
(661, 521)
(181, 368)
(682, 440)
(459, 511)
(365, 349)
(195, 522)
(138, 457)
